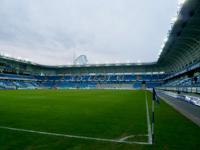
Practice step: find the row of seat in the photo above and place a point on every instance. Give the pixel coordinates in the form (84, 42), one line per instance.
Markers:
(184, 82)
(102, 77)
(16, 81)
(16, 84)
(12, 84)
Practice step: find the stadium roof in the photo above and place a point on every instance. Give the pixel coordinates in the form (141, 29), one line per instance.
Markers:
(183, 45)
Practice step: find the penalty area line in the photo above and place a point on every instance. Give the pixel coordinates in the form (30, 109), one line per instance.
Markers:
(73, 136)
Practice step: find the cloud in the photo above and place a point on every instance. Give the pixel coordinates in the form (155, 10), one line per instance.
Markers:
(104, 30)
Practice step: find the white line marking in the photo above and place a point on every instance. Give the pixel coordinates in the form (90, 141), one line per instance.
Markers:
(148, 121)
(125, 138)
(130, 136)
(73, 136)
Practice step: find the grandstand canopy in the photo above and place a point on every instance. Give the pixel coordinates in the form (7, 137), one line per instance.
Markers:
(182, 48)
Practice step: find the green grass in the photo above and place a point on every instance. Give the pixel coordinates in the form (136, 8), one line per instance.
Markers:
(109, 114)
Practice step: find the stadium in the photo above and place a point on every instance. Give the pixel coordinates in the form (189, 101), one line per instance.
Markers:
(107, 106)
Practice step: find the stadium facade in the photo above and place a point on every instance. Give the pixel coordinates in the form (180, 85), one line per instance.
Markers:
(177, 68)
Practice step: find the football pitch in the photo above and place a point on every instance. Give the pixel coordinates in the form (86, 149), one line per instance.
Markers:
(90, 119)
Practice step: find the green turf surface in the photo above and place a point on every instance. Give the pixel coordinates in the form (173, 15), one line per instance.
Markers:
(109, 114)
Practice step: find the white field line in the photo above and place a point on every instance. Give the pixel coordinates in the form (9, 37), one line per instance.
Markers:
(148, 122)
(130, 136)
(74, 136)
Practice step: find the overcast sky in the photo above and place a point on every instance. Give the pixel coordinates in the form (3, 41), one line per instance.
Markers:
(107, 31)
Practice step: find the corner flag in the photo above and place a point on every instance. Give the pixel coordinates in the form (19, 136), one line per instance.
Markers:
(155, 97)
